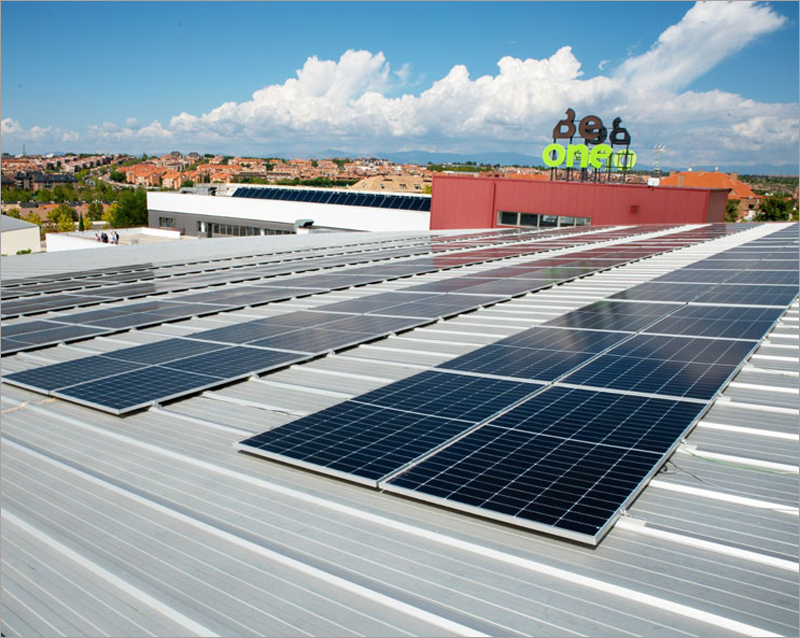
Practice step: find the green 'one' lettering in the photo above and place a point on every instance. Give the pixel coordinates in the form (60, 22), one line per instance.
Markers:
(559, 158)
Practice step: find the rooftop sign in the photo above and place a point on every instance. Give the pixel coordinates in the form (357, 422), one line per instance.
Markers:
(593, 132)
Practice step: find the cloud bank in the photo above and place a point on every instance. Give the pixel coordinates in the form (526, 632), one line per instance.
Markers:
(357, 103)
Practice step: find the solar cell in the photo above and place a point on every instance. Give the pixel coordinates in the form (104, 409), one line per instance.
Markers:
(62, 375)
(300, 319)
(448, 395)
(565, 461)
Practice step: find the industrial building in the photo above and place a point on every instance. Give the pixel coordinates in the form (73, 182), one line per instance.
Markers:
(239, 210)
(458, 202)
(160, 518)
(494, 202)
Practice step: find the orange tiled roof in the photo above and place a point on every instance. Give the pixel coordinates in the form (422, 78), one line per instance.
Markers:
(703, 179)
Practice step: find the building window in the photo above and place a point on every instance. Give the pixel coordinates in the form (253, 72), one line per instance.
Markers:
(166, 222)
(534, 220)
(508, 219)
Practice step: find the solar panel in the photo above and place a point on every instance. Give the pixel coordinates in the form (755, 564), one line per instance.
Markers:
(613, 315)
(507, 287)
(62, 333)
(697, 275)
(563, 339)
(62, 375)
(565, 461)
(137, 389)
(656, 291)
(379, 302)
(671, 377)
(717, 321)
(444, 305)
(448, 395)
(12, 330)
(362, 443)
(311, 340)
(373, 325)
(749, 295)
(241, 333)
(233, 362)
(300, 319)
(161, 351)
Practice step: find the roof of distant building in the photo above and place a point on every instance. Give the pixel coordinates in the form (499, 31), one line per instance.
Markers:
(711, 179)
(12, 223)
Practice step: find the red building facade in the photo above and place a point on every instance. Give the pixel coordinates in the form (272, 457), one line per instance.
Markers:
(494, 202)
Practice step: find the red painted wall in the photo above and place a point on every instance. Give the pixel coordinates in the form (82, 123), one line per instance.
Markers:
(473, 202)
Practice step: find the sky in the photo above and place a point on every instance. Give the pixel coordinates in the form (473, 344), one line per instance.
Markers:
(716, 83)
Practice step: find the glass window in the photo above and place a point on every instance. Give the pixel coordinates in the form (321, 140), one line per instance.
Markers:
(566, 221)
(529, 219)
(548, 221)
(506, 218)
(583, 221)
(216, 229)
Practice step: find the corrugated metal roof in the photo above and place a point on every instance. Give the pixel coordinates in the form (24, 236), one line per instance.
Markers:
(151, 524)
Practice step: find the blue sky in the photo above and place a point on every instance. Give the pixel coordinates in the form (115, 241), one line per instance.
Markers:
(296, 77)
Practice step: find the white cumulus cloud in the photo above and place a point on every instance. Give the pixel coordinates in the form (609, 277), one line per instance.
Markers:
(361, 104)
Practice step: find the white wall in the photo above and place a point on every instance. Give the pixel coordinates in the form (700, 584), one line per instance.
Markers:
(265, 210)
(72, 241)
(13, 241)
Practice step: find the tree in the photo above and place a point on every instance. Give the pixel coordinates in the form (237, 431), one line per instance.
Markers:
(63, 217)
(117, 176)
(732, 210)
(774, 209)
(95, 211)
(16, 195)
(110, 213)
(187, 183)
(80, 223)
(44, 195)
(14, 212)
(314, 163)
(131, 209)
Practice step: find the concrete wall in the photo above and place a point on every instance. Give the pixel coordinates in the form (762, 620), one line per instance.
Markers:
(12, 241)
(285, 212)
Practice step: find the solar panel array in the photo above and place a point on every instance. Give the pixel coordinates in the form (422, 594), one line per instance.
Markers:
(116, 318)
(593, 403)
(343, 198)
(266, 344)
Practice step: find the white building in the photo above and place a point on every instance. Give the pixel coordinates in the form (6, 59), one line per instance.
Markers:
(18, 235)
(268, 210)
